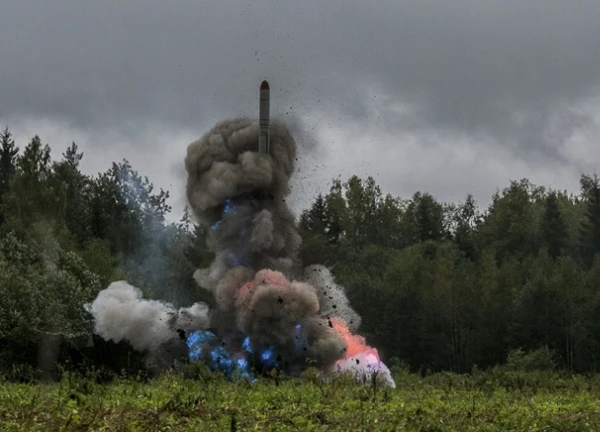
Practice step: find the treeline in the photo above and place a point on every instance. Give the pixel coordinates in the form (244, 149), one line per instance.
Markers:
(64, 236)
(447, 287)
(439, 286)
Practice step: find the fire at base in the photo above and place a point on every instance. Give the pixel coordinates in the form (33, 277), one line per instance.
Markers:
(271, 313)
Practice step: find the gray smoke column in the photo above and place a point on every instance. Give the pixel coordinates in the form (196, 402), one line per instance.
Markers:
(267, 304)
(240, 195)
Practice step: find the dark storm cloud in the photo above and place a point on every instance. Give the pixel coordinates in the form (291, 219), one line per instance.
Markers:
(504, 73)
(461, 63)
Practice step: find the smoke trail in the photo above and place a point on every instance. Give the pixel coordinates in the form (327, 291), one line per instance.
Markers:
(270, 311)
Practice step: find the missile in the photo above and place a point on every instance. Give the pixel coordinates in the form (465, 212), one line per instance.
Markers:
(263, 118)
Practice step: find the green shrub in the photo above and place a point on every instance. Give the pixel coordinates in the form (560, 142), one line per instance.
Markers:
(541, 359)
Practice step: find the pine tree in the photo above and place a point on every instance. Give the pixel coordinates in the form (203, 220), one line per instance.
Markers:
(510, 223)
(423, 219)
(466, 219)
(314, 220)
(34, 194)
(337, 210)
(77, 208)
(35, 162)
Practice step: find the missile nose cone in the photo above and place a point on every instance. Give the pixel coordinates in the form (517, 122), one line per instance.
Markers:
(264, 85)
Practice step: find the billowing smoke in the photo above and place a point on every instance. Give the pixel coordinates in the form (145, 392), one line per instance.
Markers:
(121, 314)
(270, 311)
(241, 195)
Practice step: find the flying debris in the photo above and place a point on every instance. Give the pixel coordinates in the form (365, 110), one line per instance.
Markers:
(264, 145)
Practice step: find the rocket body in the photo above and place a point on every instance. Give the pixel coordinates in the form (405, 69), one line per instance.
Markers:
(263, 118)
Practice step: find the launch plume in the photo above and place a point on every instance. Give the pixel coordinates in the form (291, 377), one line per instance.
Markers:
(240, 195)
(270, 312)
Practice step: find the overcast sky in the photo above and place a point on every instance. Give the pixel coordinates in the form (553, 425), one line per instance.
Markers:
(449, 97)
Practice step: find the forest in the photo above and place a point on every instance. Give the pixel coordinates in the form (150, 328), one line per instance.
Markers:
(440, 286)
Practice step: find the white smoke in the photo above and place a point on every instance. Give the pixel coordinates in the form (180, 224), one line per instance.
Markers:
(121, 314)
(365, 367)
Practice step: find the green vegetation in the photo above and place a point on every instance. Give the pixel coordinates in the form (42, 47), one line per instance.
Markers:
(441, 286)
(498, 400)
(511, 290)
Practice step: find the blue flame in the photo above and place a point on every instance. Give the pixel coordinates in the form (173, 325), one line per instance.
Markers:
(243, 369)
(220, 359)
(267, 356)
(194, 341)
(204, 345)
(228, 206)
(195, 353)
(247, 345)
(200, 336)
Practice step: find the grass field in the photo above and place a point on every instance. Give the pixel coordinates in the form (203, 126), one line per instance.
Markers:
(492, 401)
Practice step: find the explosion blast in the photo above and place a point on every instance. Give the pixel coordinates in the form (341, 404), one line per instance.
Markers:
(270, 311)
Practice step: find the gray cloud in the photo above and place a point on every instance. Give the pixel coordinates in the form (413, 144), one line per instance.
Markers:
(507, 79)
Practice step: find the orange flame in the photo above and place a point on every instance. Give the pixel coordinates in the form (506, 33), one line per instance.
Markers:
(356, 344)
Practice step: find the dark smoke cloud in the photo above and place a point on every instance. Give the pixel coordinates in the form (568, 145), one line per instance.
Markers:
(269, 308)
(244, 193)
(260, 288)
(240, 196)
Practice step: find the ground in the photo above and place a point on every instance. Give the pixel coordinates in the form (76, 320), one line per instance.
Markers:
(491, 401)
